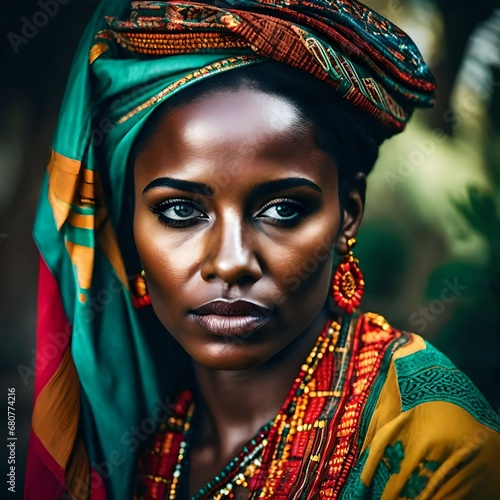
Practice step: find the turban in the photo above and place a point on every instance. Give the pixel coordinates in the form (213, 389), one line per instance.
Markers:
(98, 390)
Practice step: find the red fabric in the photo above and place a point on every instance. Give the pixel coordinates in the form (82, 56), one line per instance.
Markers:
(44, 477)
(53, 328)
(98, 490)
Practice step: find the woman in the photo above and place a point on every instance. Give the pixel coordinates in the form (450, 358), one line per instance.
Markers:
(208, 169)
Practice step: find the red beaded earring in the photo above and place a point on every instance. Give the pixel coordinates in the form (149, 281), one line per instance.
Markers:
(140, 294)
(348, 282)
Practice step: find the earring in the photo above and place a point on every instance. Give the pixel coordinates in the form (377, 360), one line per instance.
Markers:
(140, 294)
(348, 282)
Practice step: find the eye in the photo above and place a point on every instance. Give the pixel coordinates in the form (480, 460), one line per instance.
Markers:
(178, 213)
(284, 212)
(281, 211)
(181, 211)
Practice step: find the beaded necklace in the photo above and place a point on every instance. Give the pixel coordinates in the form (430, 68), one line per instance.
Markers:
(244, 467)
(308, 449)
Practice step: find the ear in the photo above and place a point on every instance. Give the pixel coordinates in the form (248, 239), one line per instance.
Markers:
(352, 213)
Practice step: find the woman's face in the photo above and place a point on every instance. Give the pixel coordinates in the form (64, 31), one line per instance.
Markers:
(236, 216)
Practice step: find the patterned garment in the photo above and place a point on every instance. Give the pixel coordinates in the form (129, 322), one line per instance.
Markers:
(399, 421)
(97, 363)
(427, 432)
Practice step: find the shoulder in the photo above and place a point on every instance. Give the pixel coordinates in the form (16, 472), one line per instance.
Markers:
(416, 374)
(425, 375)
(427, 431)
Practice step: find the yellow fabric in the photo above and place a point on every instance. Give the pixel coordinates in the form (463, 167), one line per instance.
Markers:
(108, 241)
(63, 182)
(465, 453)
(63, 392)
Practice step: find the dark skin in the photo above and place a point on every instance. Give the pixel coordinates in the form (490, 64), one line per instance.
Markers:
(260, 224)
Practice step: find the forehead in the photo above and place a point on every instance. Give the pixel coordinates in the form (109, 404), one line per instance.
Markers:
(231, 129)
(245, 115)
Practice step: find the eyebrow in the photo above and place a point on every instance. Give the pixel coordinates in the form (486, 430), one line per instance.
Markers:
(193, 187)
(200, 188)
(283, 184)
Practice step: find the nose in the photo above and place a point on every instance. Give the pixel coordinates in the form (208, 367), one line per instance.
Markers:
(230, 254)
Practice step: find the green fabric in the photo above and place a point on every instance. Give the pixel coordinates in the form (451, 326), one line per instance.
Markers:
(419, 478)
(389, 465)
(428, 375)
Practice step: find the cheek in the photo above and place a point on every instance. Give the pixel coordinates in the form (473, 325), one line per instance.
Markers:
(303, 264)
(163, 255)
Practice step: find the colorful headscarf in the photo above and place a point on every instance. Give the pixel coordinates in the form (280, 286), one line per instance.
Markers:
(98, 390)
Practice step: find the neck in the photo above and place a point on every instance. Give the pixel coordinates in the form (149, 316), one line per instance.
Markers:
(233, 405)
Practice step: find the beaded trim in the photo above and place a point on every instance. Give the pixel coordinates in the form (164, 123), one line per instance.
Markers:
(189, 79)
(163, 44)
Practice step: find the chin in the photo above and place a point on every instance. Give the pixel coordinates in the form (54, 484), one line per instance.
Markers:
(228, 354)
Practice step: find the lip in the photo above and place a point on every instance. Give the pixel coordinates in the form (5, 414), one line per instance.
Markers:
(230, 318)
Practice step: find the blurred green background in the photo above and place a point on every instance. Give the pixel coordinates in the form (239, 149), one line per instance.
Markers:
(430, 244)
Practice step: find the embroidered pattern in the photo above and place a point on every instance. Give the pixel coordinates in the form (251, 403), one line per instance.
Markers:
(219, 66)
(428, 375)
(367, 59)
(419, 478)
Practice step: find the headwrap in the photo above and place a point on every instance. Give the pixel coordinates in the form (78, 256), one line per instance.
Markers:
(101, 374)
